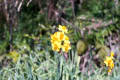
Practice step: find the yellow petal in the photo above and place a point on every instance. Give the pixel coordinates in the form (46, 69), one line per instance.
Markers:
(56, 46)
(106, 63)
(112, 54)
(62, 28)
(66, 38)
(109, 70)
(66, 47)
(60, 36)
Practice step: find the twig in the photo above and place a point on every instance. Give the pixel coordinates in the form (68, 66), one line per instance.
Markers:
(100, 24)
(29, 2)
(83, 18)
(19, 7)
(73, 26)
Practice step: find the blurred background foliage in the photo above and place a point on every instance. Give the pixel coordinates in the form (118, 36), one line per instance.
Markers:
(93, 24)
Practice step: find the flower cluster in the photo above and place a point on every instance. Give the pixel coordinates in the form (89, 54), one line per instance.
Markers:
(60, 41)
(109, 62)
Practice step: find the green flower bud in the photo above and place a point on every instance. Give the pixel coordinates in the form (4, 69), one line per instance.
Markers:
(103, 52)
(81, 47)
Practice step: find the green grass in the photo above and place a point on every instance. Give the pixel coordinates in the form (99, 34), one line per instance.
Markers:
(42, 66)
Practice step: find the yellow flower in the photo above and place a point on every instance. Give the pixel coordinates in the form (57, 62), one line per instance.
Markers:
(54, 37)
(55, 40)
(56, 46)
(57, 36)
(14, 55)
(66, 46)
(60, 35)
(109, 62)
(112, 65)
(63, 28)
